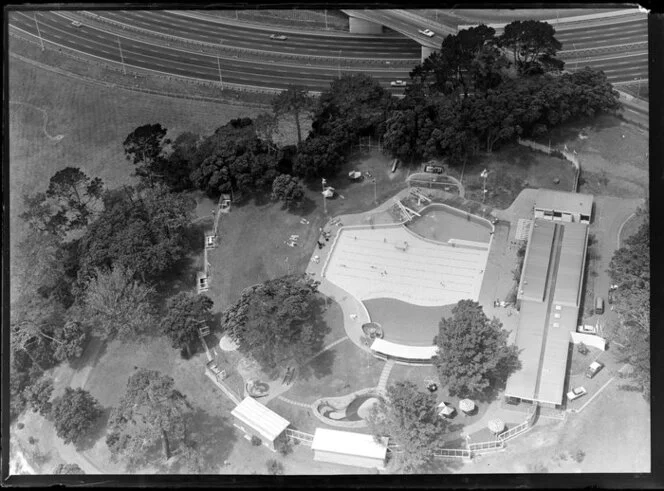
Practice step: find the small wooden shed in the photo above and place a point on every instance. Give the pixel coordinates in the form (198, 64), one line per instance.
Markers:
(254, 419)
(348, 448)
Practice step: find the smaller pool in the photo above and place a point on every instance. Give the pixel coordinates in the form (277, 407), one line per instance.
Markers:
(350, 413)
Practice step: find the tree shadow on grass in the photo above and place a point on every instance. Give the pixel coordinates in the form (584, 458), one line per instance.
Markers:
(305, 207)
(319, 367)
(94, 350)
(97, 431)
(214, 437)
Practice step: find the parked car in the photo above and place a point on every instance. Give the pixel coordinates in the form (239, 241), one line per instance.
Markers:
(587, 328)
(76, 23)
(593, 369)
(576, 393)
(279, 37)
(599, 305)
(427, 32)
(398, 83)
(610, 297)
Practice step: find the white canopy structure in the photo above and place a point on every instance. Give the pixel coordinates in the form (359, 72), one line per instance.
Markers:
(466, 405)
(348, 448)
(445, 410)
(496, 425)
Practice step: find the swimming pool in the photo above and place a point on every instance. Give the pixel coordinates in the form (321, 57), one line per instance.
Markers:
(442, 223)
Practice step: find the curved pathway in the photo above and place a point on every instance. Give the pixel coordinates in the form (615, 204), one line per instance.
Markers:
(55, 138)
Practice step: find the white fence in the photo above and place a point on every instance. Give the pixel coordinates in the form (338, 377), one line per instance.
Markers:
(301, 436)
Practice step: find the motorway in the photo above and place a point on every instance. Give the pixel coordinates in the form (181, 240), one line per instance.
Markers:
(105, 45)
(619, 66)
(372, 47)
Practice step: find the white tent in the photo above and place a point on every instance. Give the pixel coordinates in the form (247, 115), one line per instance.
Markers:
(354, 174)
(466, 405)
(496, 425)
(445, 410)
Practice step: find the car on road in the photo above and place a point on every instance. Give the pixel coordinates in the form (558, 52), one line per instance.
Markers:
(587, 329)
(398, 83)
(576, 393)
(599, 305)
(279, 37)
(427, 32)
(76, 23)
(593, 369)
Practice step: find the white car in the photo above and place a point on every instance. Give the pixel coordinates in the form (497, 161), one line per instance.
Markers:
(398, 83)
(427, 32)
(76, 23)
(279, 37)
(576, 393)
(587, 328)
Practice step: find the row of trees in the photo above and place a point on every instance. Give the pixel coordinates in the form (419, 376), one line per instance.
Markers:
(471, 95)
(630, 270)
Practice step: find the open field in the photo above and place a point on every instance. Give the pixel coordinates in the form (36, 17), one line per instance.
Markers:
(511, 169)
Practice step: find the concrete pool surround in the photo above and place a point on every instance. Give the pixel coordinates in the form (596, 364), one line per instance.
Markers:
(356, 233)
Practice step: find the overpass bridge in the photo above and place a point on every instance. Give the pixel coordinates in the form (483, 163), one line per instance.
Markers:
(408, 23)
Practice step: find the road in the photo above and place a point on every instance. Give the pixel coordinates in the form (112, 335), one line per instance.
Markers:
(198, 29)
(105, 45)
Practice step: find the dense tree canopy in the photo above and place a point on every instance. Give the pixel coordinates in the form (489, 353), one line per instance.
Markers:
(144, 231)
(474, 357)
(275, 321)
(74, 414)
(38, 396)
(115, 304)
(532, 44)
(186, 313)
(630, 270)
(235, 159)
(288, 189)
(410, 419)
(151, 416)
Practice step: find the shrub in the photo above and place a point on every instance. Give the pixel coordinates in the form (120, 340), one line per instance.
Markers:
(284, 446)
(20, 426)
(256, 442)
(274, 467)
(579, 455)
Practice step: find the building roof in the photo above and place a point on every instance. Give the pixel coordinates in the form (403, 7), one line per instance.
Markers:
(570, 267)
(551, 382)
(547, 199)
(523, 382)
(346, 442)
(536, 262)
(255, 415)
(404, 351)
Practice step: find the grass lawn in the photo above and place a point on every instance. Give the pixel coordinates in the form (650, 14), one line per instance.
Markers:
(337, 372)
(613, 434)
(511, 169)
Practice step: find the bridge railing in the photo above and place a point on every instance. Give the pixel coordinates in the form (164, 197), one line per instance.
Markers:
(301, 436)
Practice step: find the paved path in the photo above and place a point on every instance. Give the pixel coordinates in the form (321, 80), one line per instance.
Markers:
(329, 346)
(294, 403)
(385, 375)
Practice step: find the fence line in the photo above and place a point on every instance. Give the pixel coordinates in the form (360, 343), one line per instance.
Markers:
(567, 155)
(306, 438)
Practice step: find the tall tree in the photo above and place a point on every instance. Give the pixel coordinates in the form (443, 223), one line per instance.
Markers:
(533, 45)
(288, 189)
(275, 321)
(151, 414)
(186, 313)
(473, 355)
(71, 340)
(71, 201)
(115, 304)
(74, 414)
(38, 395)
(144, 147)
(409, 418)
(294, 101)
